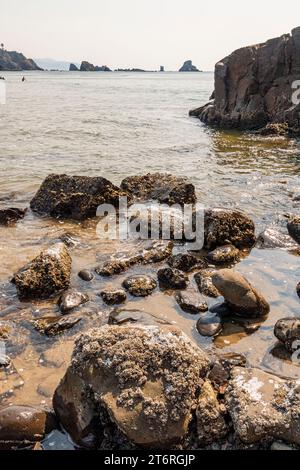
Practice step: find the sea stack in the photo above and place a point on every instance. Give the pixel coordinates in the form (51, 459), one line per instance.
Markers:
(254, 88)
(188, 67)
(73, 68)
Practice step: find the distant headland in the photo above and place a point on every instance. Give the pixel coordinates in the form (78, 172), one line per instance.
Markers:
(14, 61)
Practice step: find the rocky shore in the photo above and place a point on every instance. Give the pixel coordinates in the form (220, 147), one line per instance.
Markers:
(254, 88)
(15, 61)
(135, 380)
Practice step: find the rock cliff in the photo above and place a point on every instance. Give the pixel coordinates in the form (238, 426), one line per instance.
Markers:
(255, 87)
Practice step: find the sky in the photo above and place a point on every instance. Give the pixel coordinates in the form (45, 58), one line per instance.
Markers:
(142, 33)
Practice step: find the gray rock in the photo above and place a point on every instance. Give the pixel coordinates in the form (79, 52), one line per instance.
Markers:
(188, 67)
(191, 302)
(204, 282)
(113, 297)
(122, 316)
(72, 299)
(86, 275)
(140, 286)
(144, 379)
(209, 326)
(287, 331)
(172, 278)
(73, 68)
(239, 294)
(53, 326)
(263, 406)
(46, 275)
(274, 238)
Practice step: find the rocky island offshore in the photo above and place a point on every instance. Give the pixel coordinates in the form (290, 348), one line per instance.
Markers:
(254, 88)
(15, 61)
(135, 380)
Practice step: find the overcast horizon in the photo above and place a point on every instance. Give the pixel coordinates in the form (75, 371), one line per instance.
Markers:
(140, 33)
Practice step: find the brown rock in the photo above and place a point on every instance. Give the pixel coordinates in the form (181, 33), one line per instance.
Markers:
(146, 379)
(204, 282)
(11, 215)
(74, 197)
(263, 406)
(71, 299)
(211, 424)
(186, 262)
(163, 187)
(287, 331)
(209, 326)
(46, 275)
(239, 294)
(224, 254)
(52, 326)
(113, 297)
(191, 301)
(21, 426)
(294, 228)
(140, 286)
(172, 278)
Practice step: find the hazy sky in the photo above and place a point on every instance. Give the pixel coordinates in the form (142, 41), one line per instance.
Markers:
(142, 33)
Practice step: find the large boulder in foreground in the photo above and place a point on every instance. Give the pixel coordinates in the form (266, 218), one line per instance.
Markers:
(263, 406)
(75, 197)
(145, 379)
(46, 275)
(253, 86)
(162, 187)
(241, 297)
(228, 227)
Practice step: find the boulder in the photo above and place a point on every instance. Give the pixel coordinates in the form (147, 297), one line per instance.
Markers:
(186, 262)
(205, 284)
(172, 278)
(287, 331)
(145, 380)
(293, 226)
(162, 187)
(74, 197)
(226, 226)
(53, 326)
(46, 275)
(22, 426)
(252, 91)
(140, 286)
(191, 301)
(211, 425)
(242, 298)
(223, 255)
(86, 275)
(263, 406)
(11, 215)
(188, 67)
(113, 297)
(271, 237)
(71, 299)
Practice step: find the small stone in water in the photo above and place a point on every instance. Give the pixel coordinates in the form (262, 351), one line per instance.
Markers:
(86, 275)
(72, 299)
(210, 326)
(191, 302)
(140, 286)
(113, 297)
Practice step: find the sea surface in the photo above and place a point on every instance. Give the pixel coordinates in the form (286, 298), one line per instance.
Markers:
(115, 125)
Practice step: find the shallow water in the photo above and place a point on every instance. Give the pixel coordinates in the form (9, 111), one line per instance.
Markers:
(115, 125)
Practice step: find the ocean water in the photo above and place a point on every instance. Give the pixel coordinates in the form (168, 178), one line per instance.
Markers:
(115, 125)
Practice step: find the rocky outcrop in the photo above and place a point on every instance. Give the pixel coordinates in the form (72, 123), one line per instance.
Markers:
(73, 68)
(287, 331)
(11, 215)
(145, 381)
(239, 295)
(76, 197)
(87, 67)
(226, 226)
(46, 275)
(263, 406)
(188, 67)
(253, 86)
(15, 61)
(162, 187)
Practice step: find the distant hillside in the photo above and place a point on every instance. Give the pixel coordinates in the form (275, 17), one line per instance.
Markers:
(52, 64)
(12, 60)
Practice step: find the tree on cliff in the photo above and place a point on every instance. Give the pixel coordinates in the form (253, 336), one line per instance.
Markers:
(2, 46)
